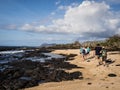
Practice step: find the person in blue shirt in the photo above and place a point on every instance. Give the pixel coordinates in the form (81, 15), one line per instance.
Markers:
(83, 52)
(88, 50)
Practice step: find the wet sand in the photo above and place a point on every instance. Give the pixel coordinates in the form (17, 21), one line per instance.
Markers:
(94, 77)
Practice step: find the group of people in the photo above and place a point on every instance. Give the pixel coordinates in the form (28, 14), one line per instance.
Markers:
(85, 51)
(100, 53)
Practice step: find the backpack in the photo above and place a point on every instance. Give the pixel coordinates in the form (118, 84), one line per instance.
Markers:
(83, 51)
(104, 53)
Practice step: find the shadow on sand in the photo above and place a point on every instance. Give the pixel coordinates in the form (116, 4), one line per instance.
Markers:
(109, 61)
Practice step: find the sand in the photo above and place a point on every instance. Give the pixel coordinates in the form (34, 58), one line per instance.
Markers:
(95, 77)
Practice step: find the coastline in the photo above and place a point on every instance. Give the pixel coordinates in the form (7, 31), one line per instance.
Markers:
(93, 77)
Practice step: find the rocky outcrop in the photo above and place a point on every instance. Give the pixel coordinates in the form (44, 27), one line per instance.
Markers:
(25, 73)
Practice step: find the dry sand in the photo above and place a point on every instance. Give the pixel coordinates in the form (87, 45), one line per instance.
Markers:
(95, 78)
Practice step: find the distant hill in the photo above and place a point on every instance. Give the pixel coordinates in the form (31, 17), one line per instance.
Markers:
(74, 45)
(48, 45)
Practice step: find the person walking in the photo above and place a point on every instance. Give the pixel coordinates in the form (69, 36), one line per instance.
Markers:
(88, 54)
(104, 56)
(98, 49)
(83, 52)
(88, 50)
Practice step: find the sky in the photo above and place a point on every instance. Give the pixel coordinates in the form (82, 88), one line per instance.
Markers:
(34, 22)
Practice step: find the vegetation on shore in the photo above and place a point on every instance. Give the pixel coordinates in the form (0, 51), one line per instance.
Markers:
(112, 43)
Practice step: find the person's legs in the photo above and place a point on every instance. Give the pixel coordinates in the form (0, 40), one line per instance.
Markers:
(96, 57)
(81, 55)
(99, 60)
(84, 57)
(88, 54)
(104, 60)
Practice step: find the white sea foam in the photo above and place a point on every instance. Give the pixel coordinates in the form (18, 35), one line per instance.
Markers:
(12, 52)
(9, 56)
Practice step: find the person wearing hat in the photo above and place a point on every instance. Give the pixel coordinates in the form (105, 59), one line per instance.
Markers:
(104, 55)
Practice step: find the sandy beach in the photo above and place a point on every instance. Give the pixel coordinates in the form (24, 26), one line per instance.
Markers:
(94, 77)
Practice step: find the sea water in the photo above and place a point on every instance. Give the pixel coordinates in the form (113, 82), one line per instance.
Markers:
(9, 56)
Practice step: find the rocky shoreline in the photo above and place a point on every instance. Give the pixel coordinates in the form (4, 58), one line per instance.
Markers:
(21, 74)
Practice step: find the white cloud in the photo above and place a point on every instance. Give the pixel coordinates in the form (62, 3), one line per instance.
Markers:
(61, 7)
(53, 13)
(27, 27)
(89, 18)
(58, 2)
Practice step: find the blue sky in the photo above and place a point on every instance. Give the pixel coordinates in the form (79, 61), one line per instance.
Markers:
(33, 22)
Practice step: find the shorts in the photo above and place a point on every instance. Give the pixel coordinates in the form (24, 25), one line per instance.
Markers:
(99, 55)
(104, 58)
(87, 52)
